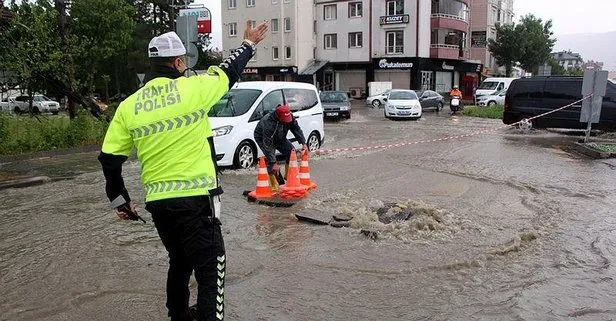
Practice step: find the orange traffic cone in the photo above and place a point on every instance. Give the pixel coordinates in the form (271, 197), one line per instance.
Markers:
(263, 187)
(304, 172)
(293, 188)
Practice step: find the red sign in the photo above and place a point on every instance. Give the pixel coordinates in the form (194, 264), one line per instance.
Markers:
(204, 26)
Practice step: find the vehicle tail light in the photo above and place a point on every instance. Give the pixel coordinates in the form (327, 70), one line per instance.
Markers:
(506, 103)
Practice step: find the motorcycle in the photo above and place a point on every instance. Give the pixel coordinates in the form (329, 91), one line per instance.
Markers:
(455, 105)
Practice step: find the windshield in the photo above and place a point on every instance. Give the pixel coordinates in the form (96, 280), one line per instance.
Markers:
(234, 103)
(41, 98)
(402, 95)
(491, 85)
(334, 97)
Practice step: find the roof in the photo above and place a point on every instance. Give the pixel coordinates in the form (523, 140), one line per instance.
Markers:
(313, 67)
(267, 85)
(566, 55)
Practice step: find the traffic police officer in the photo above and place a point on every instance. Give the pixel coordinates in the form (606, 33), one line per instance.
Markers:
(166, 121)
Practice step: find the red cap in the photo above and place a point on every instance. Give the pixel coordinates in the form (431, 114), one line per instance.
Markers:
(284, 114)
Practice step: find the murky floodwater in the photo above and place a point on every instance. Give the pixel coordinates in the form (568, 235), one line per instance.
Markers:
(507, 226)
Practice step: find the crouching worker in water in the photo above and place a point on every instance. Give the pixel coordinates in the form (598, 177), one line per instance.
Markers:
(271, 135)
(166, 121)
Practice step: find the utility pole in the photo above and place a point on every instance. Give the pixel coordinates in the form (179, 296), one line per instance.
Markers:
(62, 25)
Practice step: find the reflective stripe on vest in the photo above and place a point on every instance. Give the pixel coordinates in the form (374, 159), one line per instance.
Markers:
(167, 186)
(168, 124)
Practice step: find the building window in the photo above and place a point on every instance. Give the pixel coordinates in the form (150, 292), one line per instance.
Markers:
(274, 25)
(395, 42)
(331, 41)
(287, 24)
(355, 9)
(395, 7)
(314, 26)
(250, 3)
(232, 29)
(330, 12)
(275, 53)
(232, 4)
(274, 1)
(355, 40)
(287, 52)
(314, 53)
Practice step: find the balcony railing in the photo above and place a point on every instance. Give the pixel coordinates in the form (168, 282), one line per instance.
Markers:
(448, 16)
(444, 46)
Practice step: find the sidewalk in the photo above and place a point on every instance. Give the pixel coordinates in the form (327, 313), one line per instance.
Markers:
(37, 168)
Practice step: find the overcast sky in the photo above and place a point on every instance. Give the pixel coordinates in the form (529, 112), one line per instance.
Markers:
(568, 16)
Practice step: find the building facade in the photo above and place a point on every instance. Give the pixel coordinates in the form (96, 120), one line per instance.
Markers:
(486, 15)
(569, 60)
(288, 47)
(346, 44)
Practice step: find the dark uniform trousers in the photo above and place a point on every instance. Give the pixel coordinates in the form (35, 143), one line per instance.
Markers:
(192, 236)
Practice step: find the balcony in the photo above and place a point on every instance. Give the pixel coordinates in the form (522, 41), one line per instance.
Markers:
(448, 21)
(442, 51)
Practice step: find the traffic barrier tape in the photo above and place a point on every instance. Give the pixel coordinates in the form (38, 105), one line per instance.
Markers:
(352, 149)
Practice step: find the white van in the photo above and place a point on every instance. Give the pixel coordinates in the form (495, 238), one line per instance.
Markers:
(233, 119)
(491, 86)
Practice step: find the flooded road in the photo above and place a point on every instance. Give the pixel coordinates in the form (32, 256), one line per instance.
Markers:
(507, 226)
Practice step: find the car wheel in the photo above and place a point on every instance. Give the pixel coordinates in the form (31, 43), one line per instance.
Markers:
(35, 110)
(17, 111)
(439, 107)
(376, 103)
(54, 112)
(245, 155)
(314, 141)
(491, 103)
(525, 124)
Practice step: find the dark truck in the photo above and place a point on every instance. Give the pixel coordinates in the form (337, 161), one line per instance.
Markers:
(531, 96)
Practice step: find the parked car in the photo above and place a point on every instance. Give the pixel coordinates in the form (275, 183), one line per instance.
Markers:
(336, 104)
(493, 85)
(234, 117)
(490, 100)
(6, 103)
(402, 103)
(531, 96)
(377, 101)
(40, 104)
(430, 99)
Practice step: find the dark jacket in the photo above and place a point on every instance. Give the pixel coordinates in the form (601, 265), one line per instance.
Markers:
(271, 133)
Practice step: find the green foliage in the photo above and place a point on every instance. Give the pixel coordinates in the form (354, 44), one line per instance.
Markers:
(20, 134)
(558, 70)
(493, 112)
(505, 47)
(535, 38)
(528, 43)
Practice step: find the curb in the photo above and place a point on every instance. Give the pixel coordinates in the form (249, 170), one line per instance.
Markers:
(24, 182)
(591, 152)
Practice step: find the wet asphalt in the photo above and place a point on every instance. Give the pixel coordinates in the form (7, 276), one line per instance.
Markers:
(507, 225)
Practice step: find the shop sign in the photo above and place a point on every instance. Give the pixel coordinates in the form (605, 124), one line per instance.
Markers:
(250, 71)
(447, 67)
(479, 39)
(384, 64)
(390, 20)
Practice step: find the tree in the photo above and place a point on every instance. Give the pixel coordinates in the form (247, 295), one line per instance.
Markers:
(505, 48)
(535, 40)
(29, 46)
(101, 29)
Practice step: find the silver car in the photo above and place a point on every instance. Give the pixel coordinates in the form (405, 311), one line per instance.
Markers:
(377, 101)
(336, 104)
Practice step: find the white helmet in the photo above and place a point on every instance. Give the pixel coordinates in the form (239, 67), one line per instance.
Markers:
(455, 86)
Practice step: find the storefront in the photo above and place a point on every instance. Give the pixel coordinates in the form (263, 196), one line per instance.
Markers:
(398, 70)
(422, 73)
(270, 73)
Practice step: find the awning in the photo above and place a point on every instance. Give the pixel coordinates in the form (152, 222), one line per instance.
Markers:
(314, 67)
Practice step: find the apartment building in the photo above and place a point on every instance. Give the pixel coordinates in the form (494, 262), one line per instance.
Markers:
(345, 44)
(288, 48)
(485, 16)
(569, 60)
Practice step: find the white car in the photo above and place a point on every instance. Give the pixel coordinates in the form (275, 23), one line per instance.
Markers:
(40, 104)
(377, 101)
(233, 119)
(496, 99)
(402, 103)
(6, 103)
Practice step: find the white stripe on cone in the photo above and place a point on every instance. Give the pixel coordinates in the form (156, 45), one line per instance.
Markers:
(263, 183)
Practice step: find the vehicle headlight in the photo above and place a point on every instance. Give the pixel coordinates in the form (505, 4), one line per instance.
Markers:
(221, 131)
(344, 108)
